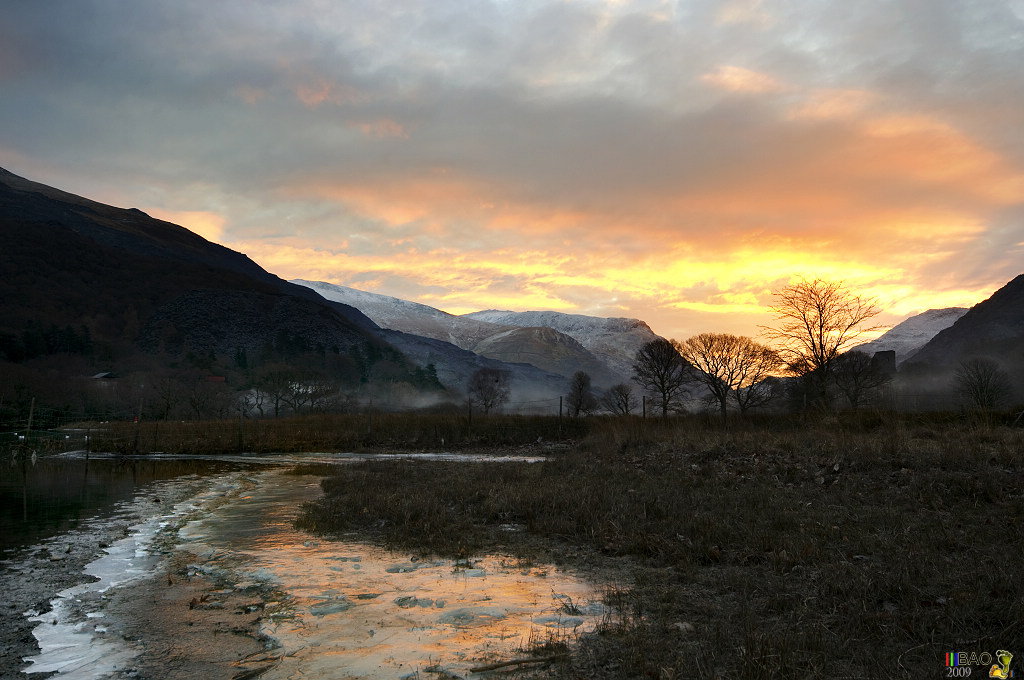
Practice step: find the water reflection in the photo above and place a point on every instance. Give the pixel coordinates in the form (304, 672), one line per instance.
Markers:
(377, 614)
(50, 495)
(57, 493)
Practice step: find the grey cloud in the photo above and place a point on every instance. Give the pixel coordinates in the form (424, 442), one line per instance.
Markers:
(552, 105)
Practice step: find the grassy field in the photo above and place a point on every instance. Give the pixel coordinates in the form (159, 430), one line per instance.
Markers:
(864, 547)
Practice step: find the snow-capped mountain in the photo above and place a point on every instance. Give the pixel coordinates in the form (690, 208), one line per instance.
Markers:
(542, 343)
(613, 340)
(913, 333)
(409, 317)
(992, 328)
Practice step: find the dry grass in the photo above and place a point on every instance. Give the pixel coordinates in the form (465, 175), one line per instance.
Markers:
(863, 547)
(328, 432)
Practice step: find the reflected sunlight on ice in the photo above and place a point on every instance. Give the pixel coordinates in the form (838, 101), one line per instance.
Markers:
(372, 613)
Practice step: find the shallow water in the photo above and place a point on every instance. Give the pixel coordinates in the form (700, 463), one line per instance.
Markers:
(351, 610)
(367, 613)
(72, 635)
(55, 494)
(50, 495)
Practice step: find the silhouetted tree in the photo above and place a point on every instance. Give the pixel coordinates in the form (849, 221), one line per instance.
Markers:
(982, 384)
(619, 399)
(580, 398)
(662, 371)
(816, 321)
(488, 388)
(728, 363)
(858, 377)
(274, 382)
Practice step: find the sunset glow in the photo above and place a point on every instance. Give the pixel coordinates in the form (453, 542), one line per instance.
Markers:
(674, 162)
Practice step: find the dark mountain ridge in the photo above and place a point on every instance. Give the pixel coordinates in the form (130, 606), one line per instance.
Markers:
(992, 328)
(68, 260)
(89, 289)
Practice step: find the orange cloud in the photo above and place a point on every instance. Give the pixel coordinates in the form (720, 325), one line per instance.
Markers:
(872, 201)
(738, 79)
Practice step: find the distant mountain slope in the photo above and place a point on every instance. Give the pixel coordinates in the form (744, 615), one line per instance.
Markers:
(548, 349)
(408, 317)
(613, 340)
(992, 328)
(541, 346)
(532, 390)
(913, 333)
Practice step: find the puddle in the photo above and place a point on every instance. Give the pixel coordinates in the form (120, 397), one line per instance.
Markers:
(350, 610)
(371, 613)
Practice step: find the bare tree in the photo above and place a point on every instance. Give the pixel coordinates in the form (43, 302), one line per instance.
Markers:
(619, 399)
(816, 321)
(982, 384)
(274, 383)
(581, 397)
(728, 363)
(488, 387)
(168, 394)
(662, 371)
(759, 393)
(308, 390)
(859, 377)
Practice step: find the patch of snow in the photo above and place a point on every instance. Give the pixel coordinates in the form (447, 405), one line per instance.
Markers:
(913, 333)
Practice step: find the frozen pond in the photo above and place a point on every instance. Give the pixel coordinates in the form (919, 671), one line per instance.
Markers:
(343, 610)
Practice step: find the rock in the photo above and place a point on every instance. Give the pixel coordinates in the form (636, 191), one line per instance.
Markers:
(559, 621)
(332, 606)
(684, 627)
(466, 616)
(366, 596)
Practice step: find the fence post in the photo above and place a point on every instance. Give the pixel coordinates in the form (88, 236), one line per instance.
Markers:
(31, 412)
(138, 427)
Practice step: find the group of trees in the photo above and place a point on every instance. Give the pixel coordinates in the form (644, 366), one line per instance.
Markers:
(816, 321)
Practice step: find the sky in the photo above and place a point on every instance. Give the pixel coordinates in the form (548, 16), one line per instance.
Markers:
(675, 162)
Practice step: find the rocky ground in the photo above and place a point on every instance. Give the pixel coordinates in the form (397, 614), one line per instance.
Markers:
(29, 580)
(31, 577)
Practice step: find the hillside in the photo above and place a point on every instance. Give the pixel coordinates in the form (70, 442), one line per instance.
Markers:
(540, 345)
(614, 341)
(71, 261)
(992, 328)
(88, 288)
(913, 333)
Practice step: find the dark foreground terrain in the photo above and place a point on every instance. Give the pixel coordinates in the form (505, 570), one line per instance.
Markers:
(864, 549)
(857, 546)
